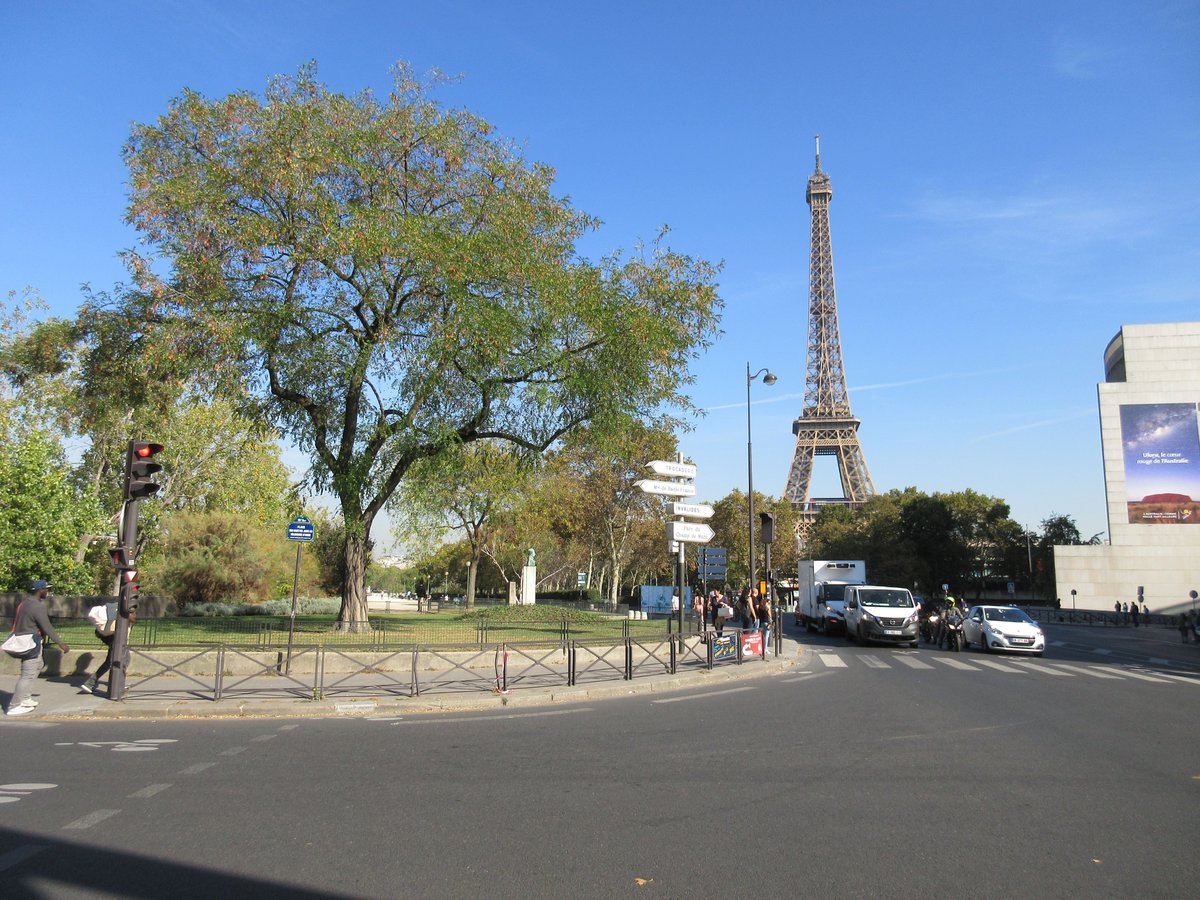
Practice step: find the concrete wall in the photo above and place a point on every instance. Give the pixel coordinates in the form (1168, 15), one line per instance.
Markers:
(1160, 364)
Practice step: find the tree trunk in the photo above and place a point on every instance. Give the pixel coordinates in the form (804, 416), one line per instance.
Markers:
(472, 572)
(353, 615)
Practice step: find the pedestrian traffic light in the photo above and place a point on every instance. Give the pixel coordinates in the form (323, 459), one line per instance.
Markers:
(126, 567)
(767, 520)
(140, 470)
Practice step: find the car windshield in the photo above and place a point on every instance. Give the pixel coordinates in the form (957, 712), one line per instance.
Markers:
(1006, 614)
(833, 591)
(898, 599)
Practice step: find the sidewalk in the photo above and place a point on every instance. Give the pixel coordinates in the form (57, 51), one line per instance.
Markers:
(60, 697)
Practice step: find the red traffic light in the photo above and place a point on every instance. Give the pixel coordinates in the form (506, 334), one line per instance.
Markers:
(139, 470)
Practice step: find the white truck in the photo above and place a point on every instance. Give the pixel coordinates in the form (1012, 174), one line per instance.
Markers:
(821, 604)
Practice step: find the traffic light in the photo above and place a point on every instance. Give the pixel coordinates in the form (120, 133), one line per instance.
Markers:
(767, 520)
(126, 568)
(140, 470)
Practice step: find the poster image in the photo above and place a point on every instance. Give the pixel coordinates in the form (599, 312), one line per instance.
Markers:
(1161, 446)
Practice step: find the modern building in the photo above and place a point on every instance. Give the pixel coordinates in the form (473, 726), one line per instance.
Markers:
(1150, 437)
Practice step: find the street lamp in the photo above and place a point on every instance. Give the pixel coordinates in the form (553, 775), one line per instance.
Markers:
(768, 379)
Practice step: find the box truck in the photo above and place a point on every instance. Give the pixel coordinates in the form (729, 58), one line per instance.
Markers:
(821, 605)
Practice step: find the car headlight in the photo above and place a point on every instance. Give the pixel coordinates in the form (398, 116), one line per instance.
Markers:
(867, 617)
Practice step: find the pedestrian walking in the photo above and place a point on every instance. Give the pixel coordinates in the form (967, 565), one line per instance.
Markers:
(1185, 625)
(744, 608)
(1125, 612)
(31, 620)
(106, 631)
(1133, 614)
(1146, 614)
(1117, 610)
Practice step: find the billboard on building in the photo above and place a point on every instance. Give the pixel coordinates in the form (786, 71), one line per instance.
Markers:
(1161, 446)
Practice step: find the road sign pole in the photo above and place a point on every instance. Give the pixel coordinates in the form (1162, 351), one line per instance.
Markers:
(292, 622)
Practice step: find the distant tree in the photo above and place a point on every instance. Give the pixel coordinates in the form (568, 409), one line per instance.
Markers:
(393, 280)
(43, 516)
(464, 490)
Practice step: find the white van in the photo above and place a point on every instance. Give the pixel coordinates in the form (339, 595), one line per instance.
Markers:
(884, 614)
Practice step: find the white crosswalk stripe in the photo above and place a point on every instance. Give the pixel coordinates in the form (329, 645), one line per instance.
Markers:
(956, 664)
(1042, 668)
(833, 662)
(999, 667)
(1084, 671)
(912, 662)
(874, 662)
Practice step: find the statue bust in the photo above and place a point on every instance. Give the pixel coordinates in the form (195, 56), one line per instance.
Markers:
(531, 558)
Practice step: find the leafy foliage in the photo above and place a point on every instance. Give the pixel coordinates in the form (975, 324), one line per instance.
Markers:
(43, 517)
(393, 280)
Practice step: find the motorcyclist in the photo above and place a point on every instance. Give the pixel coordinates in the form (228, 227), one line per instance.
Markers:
(950, 609)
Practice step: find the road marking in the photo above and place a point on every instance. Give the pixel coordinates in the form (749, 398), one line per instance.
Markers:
(1128, 674)
(874, 662)
(1086, 671)
(956, 664)
(437, 720)
(703, 695)
(149, 791)
(1155, 661)
(1103, 651)
(1042, 668)
(264, 737)
(833, 662)
(18, 855)
(197, 768)
(233, 751)
(146, 744)
(804, 676)
(1058, 643)
(288, 727)
(913, 663)
(93, 818)
(1000, 667)
(1194, 681)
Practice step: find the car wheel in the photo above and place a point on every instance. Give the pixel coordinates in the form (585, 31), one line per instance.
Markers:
(983, 647)
(1039, 653)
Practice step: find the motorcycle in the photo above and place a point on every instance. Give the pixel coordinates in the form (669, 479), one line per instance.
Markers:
(929, 628)
(954, 632)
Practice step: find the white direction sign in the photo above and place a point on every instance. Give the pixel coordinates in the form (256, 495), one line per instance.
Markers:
(667, 488)
(671, 469)
(689, 532)
(692, 510)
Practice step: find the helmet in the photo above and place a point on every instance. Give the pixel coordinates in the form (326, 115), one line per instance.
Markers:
(951, 601)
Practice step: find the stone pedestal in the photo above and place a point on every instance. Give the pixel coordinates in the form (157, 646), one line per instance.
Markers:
(528, 585)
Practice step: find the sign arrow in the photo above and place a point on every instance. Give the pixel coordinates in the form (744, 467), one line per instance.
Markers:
(692, 510)
(667, 488)
(671, 469)
(689, 532)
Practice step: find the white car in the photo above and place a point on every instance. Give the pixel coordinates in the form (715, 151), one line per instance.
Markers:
(1003, 628)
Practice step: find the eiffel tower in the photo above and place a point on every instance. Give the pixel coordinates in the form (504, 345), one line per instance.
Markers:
(826, 426)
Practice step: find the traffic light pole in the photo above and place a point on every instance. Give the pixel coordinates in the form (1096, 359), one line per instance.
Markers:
(120, 644)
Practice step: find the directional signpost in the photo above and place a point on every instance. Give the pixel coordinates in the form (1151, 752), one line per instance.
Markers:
(680, 533)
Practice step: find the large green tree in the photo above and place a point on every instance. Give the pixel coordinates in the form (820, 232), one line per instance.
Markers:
(395, 279)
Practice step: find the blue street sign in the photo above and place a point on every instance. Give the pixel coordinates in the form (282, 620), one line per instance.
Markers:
(301, 529)
(711, 555)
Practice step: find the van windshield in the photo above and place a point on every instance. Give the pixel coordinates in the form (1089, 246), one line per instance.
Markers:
(833, 592)
(897, 599)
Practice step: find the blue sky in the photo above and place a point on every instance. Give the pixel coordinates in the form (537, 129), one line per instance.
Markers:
(1012, 183)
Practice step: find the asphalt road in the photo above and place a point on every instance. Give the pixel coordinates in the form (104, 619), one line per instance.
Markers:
(897, 773)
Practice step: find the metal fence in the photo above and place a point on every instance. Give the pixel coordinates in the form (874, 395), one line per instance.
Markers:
(225, 670)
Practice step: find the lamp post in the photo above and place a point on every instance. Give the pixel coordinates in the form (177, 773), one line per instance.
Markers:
(768, 378)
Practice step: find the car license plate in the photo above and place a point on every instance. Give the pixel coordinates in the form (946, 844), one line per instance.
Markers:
(1022, 641)
(891, 631)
